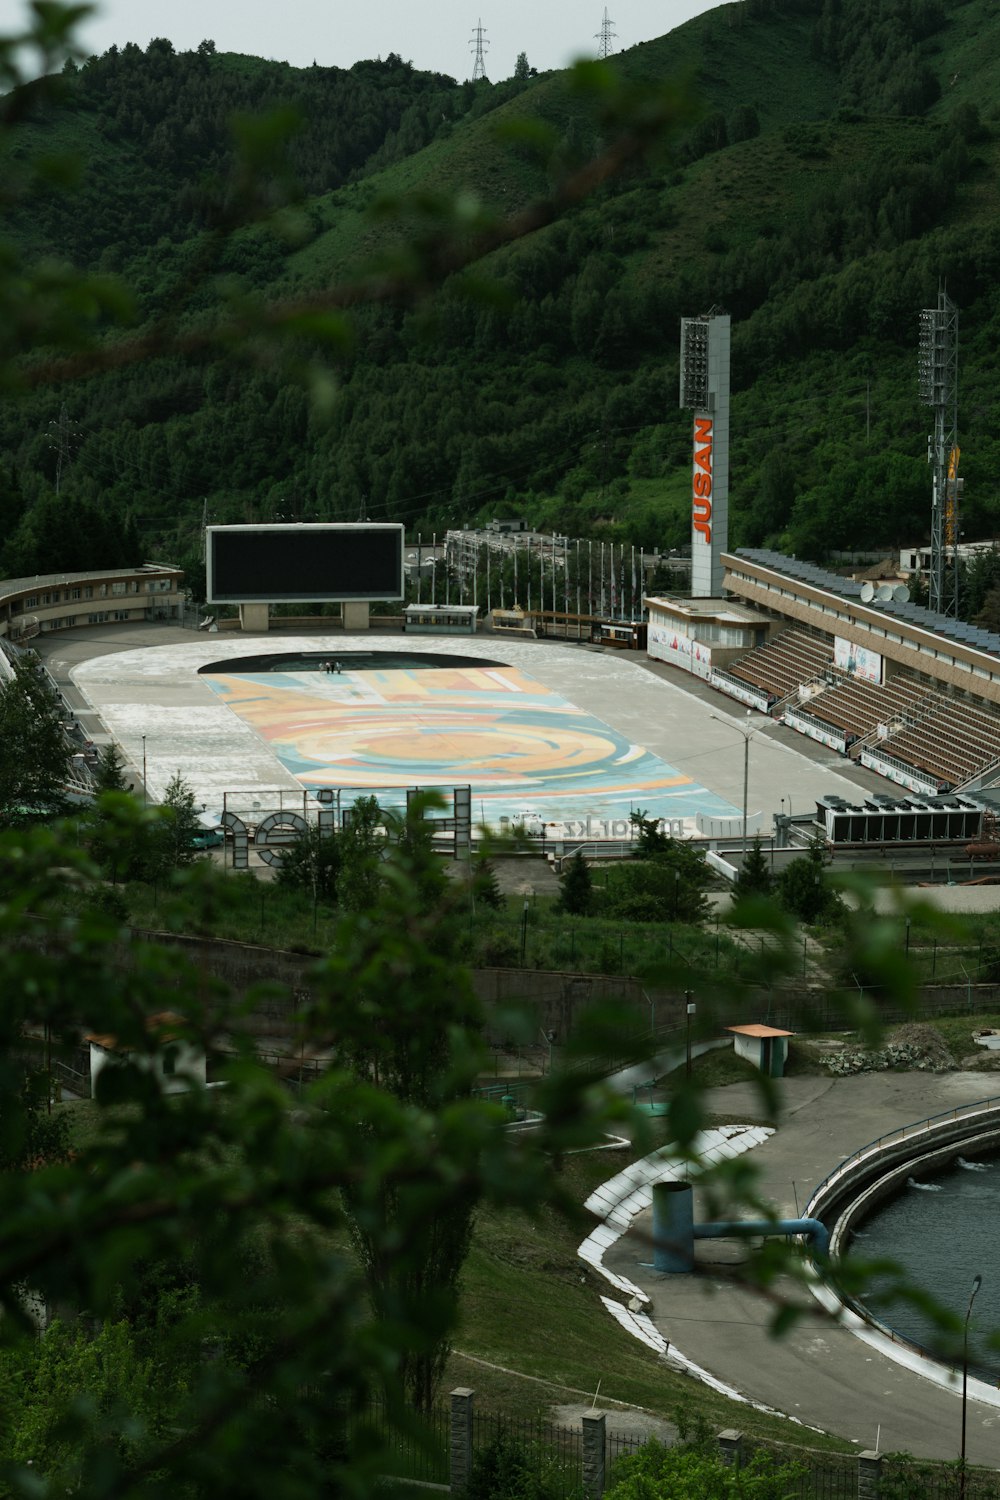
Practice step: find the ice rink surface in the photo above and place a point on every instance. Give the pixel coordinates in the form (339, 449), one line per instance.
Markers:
(554, 732)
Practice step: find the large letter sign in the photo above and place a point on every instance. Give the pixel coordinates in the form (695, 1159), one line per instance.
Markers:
(702, 483)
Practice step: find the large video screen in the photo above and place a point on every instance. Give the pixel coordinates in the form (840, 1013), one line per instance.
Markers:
(310, 563)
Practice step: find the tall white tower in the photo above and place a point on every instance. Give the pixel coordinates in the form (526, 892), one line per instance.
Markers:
(705, 345)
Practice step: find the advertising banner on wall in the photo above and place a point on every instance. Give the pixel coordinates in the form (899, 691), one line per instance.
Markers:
(857, 661)
(667, 644)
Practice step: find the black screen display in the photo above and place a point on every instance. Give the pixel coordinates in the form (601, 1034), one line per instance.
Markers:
(287, 564)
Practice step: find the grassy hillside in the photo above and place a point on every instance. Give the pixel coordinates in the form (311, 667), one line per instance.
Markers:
(836, 164)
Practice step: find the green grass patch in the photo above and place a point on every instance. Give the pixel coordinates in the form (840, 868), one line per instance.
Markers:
(262, 913)
(531, 1306)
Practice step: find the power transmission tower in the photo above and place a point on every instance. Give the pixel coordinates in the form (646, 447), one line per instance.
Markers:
(605, 37)
(478, 44)
(938, 380)
(63, 434)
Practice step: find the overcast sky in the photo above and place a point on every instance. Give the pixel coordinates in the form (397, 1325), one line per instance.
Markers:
(434, 35)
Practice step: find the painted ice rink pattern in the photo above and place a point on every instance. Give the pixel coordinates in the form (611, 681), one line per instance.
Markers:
(528, 754)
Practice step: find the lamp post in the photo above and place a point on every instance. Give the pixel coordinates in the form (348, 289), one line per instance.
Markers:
(145, 795)
(977, 1282)
(691, 1008)
(747, 732)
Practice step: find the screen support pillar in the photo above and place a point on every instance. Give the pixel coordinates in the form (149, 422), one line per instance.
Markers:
(355, 614)
(254, 617)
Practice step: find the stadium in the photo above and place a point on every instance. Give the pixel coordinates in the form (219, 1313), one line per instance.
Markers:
(797, 695)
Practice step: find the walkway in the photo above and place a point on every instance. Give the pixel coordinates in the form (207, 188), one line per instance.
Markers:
(819, 1374)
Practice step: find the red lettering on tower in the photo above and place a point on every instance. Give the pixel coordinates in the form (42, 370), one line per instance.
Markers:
(701, 484)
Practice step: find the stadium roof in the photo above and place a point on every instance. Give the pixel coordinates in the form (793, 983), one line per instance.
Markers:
(846, 588)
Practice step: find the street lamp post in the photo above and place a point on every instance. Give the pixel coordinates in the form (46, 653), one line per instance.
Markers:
(690, 1013)
(747, 734)
(145, 797)
(977, 1282)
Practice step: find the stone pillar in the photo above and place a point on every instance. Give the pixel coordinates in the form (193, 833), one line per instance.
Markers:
(355, 614)
(595, 1448)
(869, 1475)
(460, 1439)
(254, 617)
(731, 1448)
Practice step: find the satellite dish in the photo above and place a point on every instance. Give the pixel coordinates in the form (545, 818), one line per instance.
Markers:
(867, 593)
(884, 592)
(901, 594)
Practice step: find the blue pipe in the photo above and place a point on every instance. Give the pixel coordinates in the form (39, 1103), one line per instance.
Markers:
(726, 1229)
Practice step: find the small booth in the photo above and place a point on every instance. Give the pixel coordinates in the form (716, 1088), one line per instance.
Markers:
(764, 1046)
(174, 1061)
(625, 635)
(511, 622)
(440, 619)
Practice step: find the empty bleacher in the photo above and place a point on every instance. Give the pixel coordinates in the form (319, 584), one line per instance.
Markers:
(952, 740)
(859, 707)
(784, 664)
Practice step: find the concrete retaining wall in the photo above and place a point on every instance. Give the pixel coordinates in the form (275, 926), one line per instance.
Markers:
(983, 1142)
(933, 1142)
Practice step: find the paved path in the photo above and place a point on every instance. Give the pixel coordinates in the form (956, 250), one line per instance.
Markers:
(822, 1375)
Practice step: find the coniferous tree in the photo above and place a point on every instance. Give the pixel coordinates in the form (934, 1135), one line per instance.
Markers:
(361, 847)
(754, 877)
(110, 774)
(576, 887)
(804, 890)
(170, 845)
(34, 751)
(486, 886)
(104, 829)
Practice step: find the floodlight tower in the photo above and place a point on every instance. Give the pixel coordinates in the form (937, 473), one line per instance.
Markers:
(606, 37)
(938, 378)
(705, 343)
(478, 45)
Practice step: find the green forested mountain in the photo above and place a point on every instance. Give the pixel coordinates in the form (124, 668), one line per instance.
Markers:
(842, 163)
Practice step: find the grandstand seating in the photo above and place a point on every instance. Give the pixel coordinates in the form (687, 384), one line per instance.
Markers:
(858, 707)
(952, 741)
(784, 664)
(946, 739)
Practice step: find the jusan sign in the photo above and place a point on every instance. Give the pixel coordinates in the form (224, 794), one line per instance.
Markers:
(702, 480)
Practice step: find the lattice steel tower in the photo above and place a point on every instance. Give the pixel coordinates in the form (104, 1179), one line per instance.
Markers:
(605, 37)
(938, 379)
(478, 45)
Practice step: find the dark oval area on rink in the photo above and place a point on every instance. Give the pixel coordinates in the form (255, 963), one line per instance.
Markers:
(358, 661)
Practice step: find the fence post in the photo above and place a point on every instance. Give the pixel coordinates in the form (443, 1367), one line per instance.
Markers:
(460, 1439)
(594, 1451)
(869, 1475)
(731, 1448)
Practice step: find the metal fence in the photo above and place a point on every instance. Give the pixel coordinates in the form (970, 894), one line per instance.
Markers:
(904, 1479)
(417, 1451)
(554, 1453)
(821, 1477)
(545, 1454)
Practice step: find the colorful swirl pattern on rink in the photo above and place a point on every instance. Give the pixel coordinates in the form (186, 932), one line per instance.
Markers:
(526, 752)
